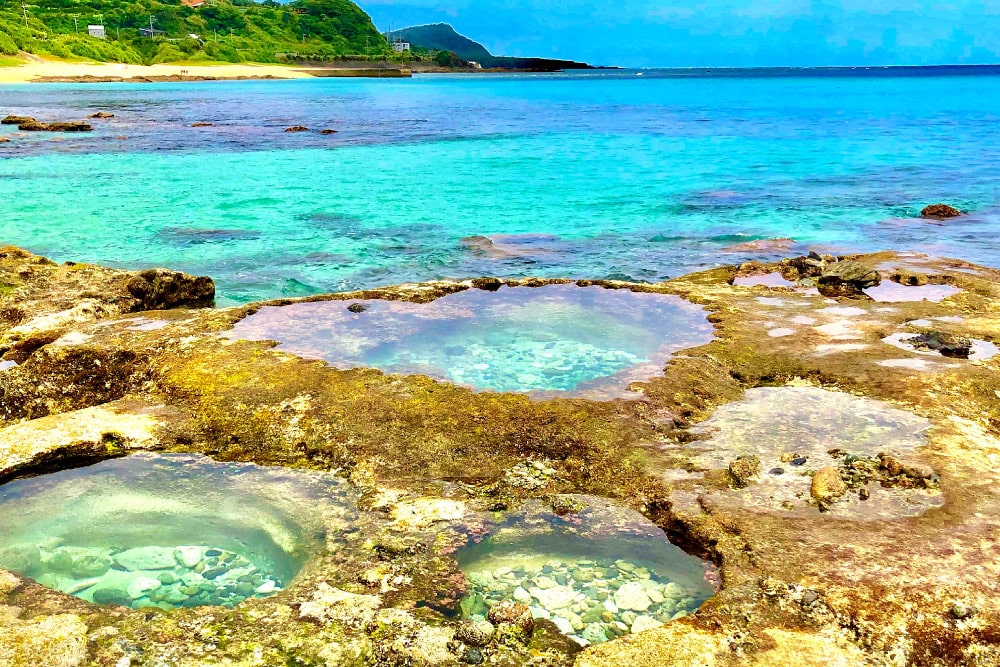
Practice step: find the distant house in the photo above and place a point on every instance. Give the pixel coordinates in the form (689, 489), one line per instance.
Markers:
(474, 65)
(96, 31)
(193, 4)
(150, 32)
(399, 46)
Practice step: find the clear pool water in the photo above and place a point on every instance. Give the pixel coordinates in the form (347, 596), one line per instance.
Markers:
(166, 530)
(556, 340)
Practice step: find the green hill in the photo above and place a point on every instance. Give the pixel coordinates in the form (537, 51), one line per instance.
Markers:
(219, 30)
(442, 37)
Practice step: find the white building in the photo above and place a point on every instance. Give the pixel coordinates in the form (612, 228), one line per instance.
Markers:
(96, 31)
(399, 46)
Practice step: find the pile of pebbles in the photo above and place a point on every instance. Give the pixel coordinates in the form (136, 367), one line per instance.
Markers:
(590, 601)
(152, 576)
(524, 364)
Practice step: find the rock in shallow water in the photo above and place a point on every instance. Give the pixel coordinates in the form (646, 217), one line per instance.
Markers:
(146, 558)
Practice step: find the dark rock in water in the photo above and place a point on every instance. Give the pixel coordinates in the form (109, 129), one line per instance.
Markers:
(202, 124)
(776, 245)
(512, 613)
(473, 657)
(776, 471)
(849, 275)
(940, 212)
(159, 289)
(101, 115)
(297, 128)
(114, 596)
(488, 284)
(743, 470)
(70, 126)
(4, 140)
(213, 553)
(357, 308)
(17, 120)
(949, 345)
(214, 573)
(800, 461)
(328, 131)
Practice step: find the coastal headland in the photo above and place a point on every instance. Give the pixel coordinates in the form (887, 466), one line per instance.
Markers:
(869, 538)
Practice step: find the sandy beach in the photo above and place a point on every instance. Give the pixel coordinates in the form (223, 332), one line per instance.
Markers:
(44, 69)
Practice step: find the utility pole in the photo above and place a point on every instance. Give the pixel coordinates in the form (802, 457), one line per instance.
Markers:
(151, 32)
(24, 9)
(76, 25)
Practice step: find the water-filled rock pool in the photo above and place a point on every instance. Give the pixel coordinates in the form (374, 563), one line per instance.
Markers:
(556, 340)
(167, 531)
(598, 572)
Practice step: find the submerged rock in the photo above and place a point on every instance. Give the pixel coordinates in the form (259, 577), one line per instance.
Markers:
(475, 633)
(101, 115)
(297, 128)
(68, 126)
(146, 558)
(16, 120)
(514, 614)
(940, 212)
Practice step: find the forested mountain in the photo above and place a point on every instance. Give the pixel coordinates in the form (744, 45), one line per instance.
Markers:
(441, 37)
(220, 30)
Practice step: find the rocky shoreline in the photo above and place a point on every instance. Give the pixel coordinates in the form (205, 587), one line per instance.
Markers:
(877, 551)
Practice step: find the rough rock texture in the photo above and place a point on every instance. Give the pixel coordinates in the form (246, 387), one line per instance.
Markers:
(940, 212)
(849, 274)
(863, 584)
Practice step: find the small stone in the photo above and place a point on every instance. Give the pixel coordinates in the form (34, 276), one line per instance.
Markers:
(962, 611)
(214, 573)
(475, 633)
(188, 556)
(809, 597)
(642, 623)
(632, 596)
(213, 553)
(800, 461)
(142, 586)
(563, 624)
(827, 485)
(357, 308)
(167, 578)
(776, 471)
(473, 657)
(521, 595)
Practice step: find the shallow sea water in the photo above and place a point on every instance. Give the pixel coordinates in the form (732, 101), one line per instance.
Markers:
(557, 340)
(167, 530)
(624, 176)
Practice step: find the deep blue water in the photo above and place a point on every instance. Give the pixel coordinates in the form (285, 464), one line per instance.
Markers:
(590, 174)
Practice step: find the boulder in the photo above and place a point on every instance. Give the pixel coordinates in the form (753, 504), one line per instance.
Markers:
(949, 345)
(17, 120)
(910, 278)
(160, 289)
(101, 115)
(849, 275)
(475, 633)
(516, 614)
(328, 131)
(827, 485)
(297, 128)
(940, 212)
(743, 470)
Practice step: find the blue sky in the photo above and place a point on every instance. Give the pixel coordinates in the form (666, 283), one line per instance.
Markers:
(646, 33)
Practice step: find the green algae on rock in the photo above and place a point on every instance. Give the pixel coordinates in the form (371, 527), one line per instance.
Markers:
(554, 340)
(166, 530)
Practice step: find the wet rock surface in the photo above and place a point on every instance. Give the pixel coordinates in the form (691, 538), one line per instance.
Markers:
(872, 576)
(940, 212)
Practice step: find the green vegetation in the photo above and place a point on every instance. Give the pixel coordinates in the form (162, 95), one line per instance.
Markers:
(219, 30)
(441, 43)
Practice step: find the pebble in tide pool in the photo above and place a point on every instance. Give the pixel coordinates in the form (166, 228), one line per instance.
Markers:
(590, 601)
(152, 576)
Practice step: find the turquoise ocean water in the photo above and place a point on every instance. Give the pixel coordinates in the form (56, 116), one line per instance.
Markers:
(584, 175)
